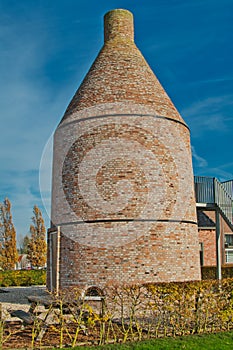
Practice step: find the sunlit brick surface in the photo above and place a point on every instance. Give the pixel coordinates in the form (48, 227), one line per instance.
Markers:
(122, 174)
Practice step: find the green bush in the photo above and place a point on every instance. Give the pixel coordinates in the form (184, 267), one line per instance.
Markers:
(22, 278)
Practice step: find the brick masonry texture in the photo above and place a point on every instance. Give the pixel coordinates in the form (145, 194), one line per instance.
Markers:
(122, 188)
(120, 73)
(208, 238)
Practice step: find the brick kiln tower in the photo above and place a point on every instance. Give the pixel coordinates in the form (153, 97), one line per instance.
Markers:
(122, 194)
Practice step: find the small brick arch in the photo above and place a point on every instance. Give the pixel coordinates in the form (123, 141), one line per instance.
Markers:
(94, 291)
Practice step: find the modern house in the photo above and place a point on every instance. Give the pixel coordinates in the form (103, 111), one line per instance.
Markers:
(214, 201)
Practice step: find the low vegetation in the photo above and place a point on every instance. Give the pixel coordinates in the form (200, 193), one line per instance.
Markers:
(22, 278)
(172, 311)
(8, 251)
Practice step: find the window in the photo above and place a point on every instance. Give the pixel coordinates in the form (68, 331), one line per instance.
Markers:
(201, 245)
(229, 240)
(229, 256)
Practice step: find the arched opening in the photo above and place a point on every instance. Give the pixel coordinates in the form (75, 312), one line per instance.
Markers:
(94, 292)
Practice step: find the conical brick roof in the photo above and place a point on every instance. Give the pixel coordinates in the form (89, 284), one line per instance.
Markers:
(121, 74)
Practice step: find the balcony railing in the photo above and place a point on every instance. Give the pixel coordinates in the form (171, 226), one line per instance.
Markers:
(209, 190)
(204, 189)
(228, 185)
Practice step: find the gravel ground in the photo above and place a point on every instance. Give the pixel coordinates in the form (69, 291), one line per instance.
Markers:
(15, 298)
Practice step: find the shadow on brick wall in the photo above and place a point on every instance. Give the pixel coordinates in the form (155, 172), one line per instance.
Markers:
(210, 272)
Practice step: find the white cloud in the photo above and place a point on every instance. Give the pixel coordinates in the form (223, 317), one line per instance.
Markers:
(29, 113)
(21, 189)
(209, 114)
(200, 162)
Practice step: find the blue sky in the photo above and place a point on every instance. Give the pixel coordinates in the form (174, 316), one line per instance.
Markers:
(48, 46)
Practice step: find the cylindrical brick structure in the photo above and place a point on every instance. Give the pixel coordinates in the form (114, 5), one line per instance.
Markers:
(122, 191)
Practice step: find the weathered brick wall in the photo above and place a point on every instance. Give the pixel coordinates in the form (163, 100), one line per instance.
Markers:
(122, 175)
(208, 238)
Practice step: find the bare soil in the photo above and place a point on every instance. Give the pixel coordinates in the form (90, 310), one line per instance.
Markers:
(17, 338)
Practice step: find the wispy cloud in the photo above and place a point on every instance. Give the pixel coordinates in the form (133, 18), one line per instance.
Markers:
(223, 171)
(200, 162)
(22, 190)
(217, 172)
(209, 115)
(28, 115)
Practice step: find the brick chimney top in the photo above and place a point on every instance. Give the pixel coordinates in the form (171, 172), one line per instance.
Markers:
(118, 24)
(121, 74)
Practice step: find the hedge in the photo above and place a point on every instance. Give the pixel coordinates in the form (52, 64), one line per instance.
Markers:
(132, 313)
(22, 278)
(210, 272)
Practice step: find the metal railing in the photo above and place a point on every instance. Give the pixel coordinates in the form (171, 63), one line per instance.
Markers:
(223, 200)
(211, 191)
(228, 185)
(204, 189)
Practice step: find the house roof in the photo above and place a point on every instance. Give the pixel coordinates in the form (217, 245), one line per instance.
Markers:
(21, 257)
(204, 221)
